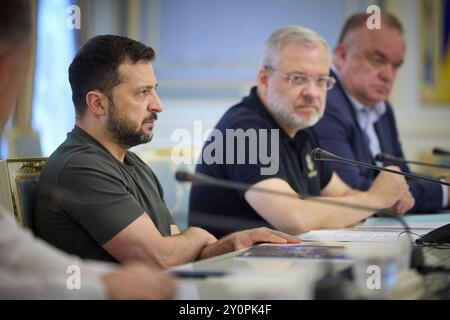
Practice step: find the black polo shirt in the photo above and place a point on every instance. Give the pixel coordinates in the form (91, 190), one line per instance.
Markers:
(222, 210)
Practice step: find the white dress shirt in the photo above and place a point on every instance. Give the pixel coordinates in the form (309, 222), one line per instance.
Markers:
(32, 269)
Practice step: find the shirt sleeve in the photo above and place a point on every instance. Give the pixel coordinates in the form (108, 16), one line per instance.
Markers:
(326, 172)
(32, 269)
(325, 168)
(95, 194)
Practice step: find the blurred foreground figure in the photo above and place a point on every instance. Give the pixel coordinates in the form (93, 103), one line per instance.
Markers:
(30, 268)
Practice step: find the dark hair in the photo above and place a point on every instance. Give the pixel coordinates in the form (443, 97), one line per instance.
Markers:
(15, 22)
(358, 20)
(95, 66)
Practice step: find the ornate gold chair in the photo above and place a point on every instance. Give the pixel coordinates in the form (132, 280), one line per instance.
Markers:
(19, 179)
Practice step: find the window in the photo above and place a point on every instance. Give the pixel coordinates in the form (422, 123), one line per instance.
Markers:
(53, 111)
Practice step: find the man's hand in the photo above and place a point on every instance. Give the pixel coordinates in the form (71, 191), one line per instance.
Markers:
(244, 239)
(390, 189)
(405, 203)
(137, 281)
(208, 238)
(247, 238)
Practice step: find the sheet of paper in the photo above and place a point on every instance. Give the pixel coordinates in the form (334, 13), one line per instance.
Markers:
(419, 221)
(347, 235)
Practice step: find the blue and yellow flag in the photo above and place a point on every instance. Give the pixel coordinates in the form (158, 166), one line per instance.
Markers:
(435, 47)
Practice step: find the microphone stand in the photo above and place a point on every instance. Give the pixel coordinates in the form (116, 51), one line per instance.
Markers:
(384, 157)
(441, 152)
(202, 179)
(319, 154)
(439, 235)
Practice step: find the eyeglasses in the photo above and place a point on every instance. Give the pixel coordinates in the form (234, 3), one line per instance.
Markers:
(301, 80)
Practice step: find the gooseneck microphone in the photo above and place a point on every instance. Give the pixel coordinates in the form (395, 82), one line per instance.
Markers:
(441, 152)
(439, 235)
(386, 157)
(323, 155)
(202, 179)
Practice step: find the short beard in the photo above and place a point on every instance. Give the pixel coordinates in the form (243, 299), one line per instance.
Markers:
(123, 131)
(291, 120)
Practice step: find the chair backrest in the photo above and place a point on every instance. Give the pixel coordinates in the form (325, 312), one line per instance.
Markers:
(176, 194)
(19, 179)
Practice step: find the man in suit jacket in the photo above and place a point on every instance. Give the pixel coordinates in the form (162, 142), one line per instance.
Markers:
(359, 122)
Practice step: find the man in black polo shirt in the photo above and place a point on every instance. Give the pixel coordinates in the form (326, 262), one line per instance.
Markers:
(274, 121)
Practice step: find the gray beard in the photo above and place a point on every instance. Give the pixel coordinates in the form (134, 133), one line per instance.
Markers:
(293, 121)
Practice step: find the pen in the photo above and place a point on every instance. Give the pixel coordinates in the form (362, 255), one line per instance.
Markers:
(197, 273)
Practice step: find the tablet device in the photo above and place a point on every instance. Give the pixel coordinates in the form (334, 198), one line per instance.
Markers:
(296, 251)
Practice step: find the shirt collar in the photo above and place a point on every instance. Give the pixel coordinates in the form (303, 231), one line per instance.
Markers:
(128, 161)
(378, 109)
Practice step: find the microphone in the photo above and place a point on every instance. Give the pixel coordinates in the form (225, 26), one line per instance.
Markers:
(202, 179)
(323, 155)
(386, 157)
(439, 235)
(184, 176)
(441, 152)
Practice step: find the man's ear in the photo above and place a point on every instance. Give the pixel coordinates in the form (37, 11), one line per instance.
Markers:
(97, 102)
(340, 55)
(263, 78)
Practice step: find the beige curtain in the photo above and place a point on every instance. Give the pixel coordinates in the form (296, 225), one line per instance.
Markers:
(23, 114)
(22, 140)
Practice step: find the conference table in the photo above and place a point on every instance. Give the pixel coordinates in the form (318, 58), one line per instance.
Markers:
(368, 261)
